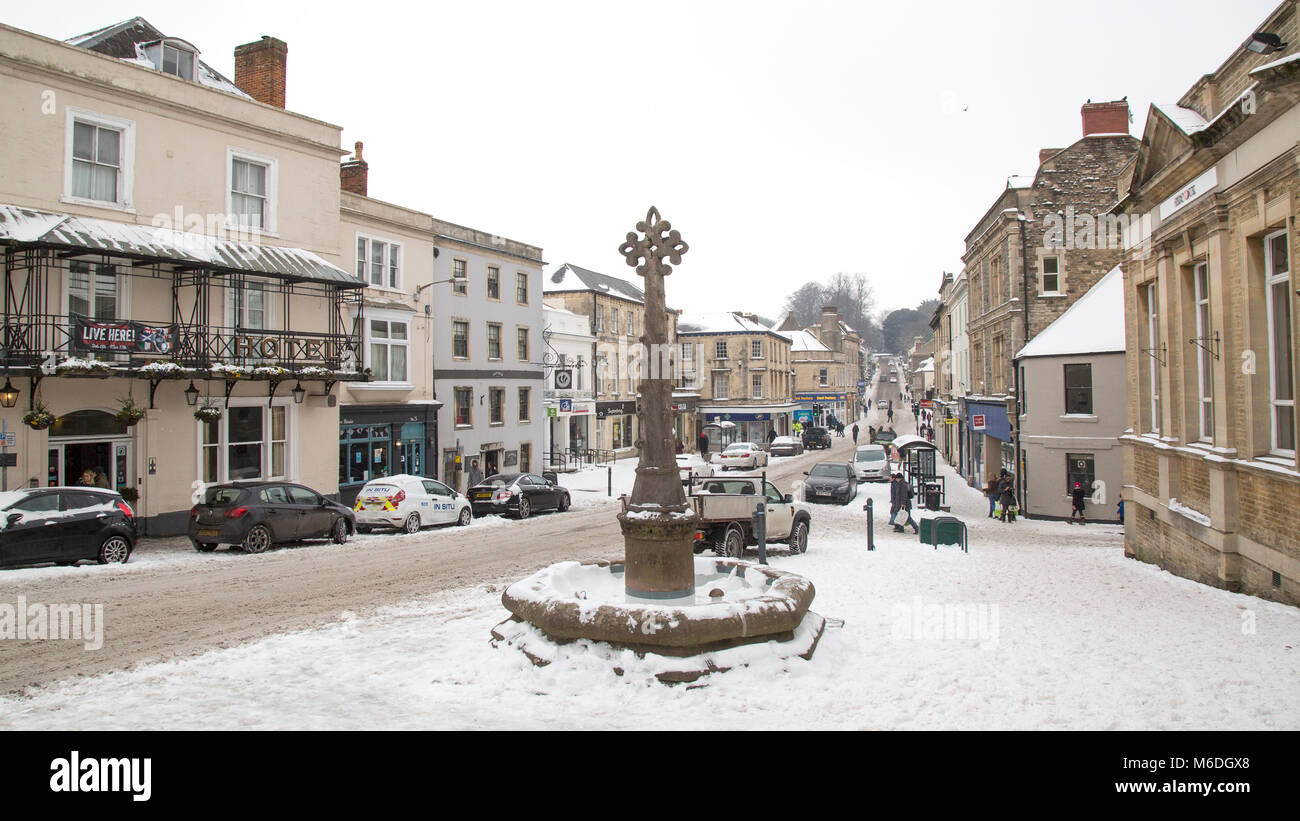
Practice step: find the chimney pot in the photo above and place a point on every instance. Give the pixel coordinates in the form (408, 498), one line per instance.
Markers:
(354, 174)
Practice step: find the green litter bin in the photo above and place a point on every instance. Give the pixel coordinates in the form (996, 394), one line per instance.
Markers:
(949, 530)
(926, 532)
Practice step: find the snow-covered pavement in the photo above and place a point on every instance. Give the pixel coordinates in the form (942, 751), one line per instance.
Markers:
(1040, 625)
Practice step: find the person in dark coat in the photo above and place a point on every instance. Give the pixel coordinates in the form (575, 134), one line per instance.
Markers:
(1076, 496)
(771, 435)
(1119, 508)
(900, 500)
(1008, 498)
(704, 443)
(855, 433)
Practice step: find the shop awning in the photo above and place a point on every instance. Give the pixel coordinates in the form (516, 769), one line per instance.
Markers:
(45, 229)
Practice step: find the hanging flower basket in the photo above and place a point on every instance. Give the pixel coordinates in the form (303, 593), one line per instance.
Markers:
(128, 413)
(38, 419)
(208, 413)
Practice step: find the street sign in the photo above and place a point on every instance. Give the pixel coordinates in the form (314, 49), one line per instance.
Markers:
(9, 460)
(10, 439)
(563, 379)
(552, 412)
(977, 421)
(566, 406)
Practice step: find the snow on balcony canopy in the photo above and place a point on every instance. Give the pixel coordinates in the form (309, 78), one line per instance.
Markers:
(28, 226)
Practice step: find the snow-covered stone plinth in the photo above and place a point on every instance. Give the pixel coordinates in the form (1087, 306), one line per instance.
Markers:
(742, 612)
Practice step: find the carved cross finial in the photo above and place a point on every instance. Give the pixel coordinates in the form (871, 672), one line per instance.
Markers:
(659, 242)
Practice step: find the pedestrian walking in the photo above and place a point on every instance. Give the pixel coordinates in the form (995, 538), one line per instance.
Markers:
(703, 443)
(771, 435)
(991, 490)
(889, 415)
(1008, 498)
(900, 501)
(1076, 496)
(1119, 508)
(855, 434)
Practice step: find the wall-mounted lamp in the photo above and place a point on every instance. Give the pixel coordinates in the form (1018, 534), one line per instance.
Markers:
(9, 394)
(191, 395)
(299, 393)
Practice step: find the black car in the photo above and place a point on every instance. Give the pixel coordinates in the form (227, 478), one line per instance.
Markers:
(65, 525)
(830, 482)
(816, 438)
(256, 515)
(519, 493)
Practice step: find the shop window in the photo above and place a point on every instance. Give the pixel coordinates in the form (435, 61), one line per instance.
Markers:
(247, 442)
(1079, 467)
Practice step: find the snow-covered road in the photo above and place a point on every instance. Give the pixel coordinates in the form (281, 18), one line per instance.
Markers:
(1064, 632)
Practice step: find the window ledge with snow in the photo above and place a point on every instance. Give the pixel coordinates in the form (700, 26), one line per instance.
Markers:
(125, 208)
(1078, 417)
(381, 386)
(1053, 295)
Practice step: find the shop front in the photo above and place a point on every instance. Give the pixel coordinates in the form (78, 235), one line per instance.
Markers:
(568, 428)
(989, 438)
(833, 406)
(752, 423)
(384, 440)
(616, 425)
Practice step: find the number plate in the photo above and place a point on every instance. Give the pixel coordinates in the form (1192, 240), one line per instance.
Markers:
(482, 496)
(208, 534)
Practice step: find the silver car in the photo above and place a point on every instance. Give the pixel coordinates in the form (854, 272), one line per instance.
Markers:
(871, 463)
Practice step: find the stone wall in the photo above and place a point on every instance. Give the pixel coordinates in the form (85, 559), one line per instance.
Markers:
(1146, 467)
(1270, 511)
(1194, 484)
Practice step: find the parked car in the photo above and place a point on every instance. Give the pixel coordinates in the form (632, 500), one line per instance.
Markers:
(785, 446)
(816, 438)
(882, 403)
(65, 525)
(743, 456)
(410, 503)
(830, 482)
(521, 494)
(871, 463)
(256, 515)
(690, 464)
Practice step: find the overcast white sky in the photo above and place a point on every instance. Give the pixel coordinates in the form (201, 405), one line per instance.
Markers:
(788, 141)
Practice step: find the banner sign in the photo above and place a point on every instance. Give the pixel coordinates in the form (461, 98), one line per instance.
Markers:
(125, 337)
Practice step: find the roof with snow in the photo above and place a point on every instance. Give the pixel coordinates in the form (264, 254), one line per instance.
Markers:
(127, 40)
(570, 277)
(926, 365)
(804, 342)
(28, 226)
(722, 322)
(1187, 120)
(1093, 324)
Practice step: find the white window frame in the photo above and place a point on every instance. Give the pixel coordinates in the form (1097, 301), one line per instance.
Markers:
(455, 320)
(756, 385)
(161, 60)
(460, 285)
(1204, 367)
(500, 342)
(525, 399)
(493, 391)
(270, 222)
(401, 318)
(528, 343)
(121, 297)
(126, 160)
(1042, 281)
(487, 283)
(1275, 404)
(223, 440)
(527, 300)
(391, 271)
(725, 383)
(455, 399)
(719, 349)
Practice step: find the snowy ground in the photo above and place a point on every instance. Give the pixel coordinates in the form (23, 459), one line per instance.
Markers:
(1064, 632)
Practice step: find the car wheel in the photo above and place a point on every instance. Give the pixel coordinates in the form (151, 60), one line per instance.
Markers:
(733, 544)
(339, 533)
(258, 539)
(204, 547)
(115, 549)
(465, 518)
(564, 503)
(412, 523)
(524, 509)
(799, 538)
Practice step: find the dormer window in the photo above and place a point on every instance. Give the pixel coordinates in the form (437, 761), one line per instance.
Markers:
(172, 56)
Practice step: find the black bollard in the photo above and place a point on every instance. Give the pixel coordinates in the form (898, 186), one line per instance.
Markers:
(870, 508)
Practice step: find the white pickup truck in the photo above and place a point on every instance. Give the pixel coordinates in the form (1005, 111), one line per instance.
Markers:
(726, 509)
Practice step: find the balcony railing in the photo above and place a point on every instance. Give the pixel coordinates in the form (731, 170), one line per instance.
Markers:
(29, 341)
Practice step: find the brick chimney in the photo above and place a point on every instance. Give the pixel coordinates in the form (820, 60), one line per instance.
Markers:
(1044, 154)
(354, 174)
(1105, 118)
(260, 70)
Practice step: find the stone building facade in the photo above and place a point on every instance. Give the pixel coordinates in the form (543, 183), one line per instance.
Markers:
(741, 369)
(615, 309)
(828, 361)
(1212, 476)
(1033, 253)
